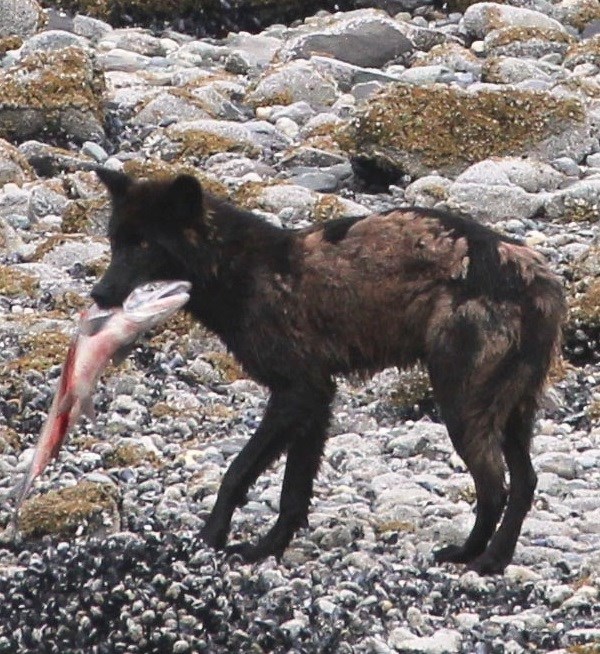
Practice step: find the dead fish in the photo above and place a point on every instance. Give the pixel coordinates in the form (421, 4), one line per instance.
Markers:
(103, 335)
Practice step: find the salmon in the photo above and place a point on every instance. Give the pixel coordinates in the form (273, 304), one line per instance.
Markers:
(102, 335)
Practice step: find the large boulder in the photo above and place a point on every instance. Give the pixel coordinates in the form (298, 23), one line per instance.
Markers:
(418, 130)
(56, 93)
(364, 40)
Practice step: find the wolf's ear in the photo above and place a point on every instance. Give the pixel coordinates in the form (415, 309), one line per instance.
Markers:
(185, 201)
(116, 182)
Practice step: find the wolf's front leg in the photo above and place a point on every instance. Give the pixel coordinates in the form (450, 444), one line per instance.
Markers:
(295, 419)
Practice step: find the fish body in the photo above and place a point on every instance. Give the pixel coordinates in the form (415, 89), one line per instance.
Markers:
(102, 335)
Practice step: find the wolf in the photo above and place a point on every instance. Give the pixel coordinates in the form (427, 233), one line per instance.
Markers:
(297, 307)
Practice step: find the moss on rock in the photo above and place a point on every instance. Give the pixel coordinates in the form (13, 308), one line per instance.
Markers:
(9, 440)
(200, 143)
(56, 92)
(159, 169)
(80, 216)
(579, 14)
(327, 207)
(419, 129)
(64, 511)
(128, 455)
(11, 42)
(509, 35)
(413, 387)
(15, 283)
(585, 52)
(41, 351)
(227, 367)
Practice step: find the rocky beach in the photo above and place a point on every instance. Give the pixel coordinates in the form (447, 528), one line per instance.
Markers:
(492, 109)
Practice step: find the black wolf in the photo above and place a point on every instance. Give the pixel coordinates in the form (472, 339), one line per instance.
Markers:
(296, 307)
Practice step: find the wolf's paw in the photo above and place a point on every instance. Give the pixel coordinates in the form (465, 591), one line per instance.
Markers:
(488, 564)
(453, 554)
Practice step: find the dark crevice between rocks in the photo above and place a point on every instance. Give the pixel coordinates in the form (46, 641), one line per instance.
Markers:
(581, 345)
(215, 18)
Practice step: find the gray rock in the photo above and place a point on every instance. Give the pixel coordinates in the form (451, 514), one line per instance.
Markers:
(90, 28)
(293, 82)
(445, 641)
(245, 136)
(346, 75)
(428, 191)
(95, 151)
(257, 50)
(44, 201)
(122, 60)
(313, 157)
(490, 202)
(216, 103)
(369, 41)
(299, 112)
(137, 41)
(20, 18)
(562, 464)
(281, 196)
(66, 254)
(422, 75)
(168, 107)
(481, 18)
(531, 175)
(593, 160)
(421, 37)
(14, 200)
(52, 40)
(316, 181)
(507, 42)
(365, 90)
(53, 160)
(567, 166)
(578, 202)
(513, 70)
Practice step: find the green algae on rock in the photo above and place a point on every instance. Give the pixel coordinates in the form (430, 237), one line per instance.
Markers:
(415, 130)
(56, 93)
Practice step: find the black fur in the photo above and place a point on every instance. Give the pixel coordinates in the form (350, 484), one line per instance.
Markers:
(480, 310)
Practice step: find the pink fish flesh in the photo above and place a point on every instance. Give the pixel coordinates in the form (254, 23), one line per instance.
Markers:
(102, 335)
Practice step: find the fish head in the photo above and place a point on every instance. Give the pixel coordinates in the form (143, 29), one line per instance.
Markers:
(152, 303)
(156, 231)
